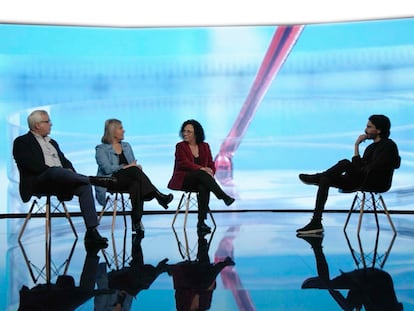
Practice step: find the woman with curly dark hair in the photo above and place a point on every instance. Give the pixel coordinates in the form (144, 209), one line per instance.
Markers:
(194, 169)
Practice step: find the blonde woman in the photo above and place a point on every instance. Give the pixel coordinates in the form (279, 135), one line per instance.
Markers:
(115, 158)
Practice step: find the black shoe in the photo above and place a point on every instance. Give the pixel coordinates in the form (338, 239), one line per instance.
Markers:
(315, 282)
(228, 200)
(164, 199)
(314, 226)
(102, 181)
(228, 261)
(203, 228)
(162, 266)
(310, 179)
(93, 238)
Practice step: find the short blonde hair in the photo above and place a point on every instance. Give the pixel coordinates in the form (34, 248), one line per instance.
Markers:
(109, 130)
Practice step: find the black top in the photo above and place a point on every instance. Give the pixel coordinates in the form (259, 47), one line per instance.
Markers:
(122, 158)
(378, 163)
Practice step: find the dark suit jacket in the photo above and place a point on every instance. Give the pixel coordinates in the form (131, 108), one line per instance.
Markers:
(184, 162)
(31, 162)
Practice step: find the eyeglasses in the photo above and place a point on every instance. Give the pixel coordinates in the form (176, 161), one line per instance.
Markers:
(46, 121)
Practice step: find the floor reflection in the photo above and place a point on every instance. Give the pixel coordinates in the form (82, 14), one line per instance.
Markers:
(64, 294)
(252, 261)
(369, 287)
(124, 283)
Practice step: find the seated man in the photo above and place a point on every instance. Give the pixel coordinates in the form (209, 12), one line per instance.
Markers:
(378, 162)
(44, 169)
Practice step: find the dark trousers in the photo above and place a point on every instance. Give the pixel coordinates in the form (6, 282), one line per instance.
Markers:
(58, 180)
(203, 183)
(134, 181)
(343, 175)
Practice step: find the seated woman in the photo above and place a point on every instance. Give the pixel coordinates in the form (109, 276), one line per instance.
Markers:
(194, 170)
(115, 158)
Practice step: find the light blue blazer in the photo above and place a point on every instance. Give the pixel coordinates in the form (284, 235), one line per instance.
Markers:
(108, 164)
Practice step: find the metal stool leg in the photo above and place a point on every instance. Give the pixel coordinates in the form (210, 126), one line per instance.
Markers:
(108, 198)
(178, 210)
(187, 205)
(69, 219)
(115, 208)
(361, 212)
(112, 200)
(29, 215)
(48, 240)
(384, 206)
(350, 211)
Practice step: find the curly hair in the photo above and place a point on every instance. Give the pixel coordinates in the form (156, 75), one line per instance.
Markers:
(198, 130)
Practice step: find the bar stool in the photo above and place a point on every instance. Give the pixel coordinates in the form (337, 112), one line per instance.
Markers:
(368, 198)
(186, 251)
(112, 204)
(189, 199)
(119, 257)
(366, 201)
(49, 209)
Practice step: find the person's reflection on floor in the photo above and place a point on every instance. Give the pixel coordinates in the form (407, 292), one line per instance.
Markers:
(371, 288)
(195, 280)
(128, 281)
(63, 295)
(118, 300)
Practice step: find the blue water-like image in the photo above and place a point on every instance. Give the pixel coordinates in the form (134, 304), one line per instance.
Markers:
(152, 79)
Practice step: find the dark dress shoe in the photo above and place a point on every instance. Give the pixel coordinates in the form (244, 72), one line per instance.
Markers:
(228, 200)
(162, 266)
(93, 238)
(229, 261)
(310, 179)
(164, 199)
(203, 228)
(102, 181)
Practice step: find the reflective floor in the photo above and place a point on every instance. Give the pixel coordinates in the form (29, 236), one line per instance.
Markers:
(250, 261)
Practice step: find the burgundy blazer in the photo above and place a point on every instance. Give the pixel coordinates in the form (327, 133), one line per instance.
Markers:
(184, 162)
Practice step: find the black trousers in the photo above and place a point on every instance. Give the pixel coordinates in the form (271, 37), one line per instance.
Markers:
(140, 188)
(59, 180)
(203, 183)
(343, 175)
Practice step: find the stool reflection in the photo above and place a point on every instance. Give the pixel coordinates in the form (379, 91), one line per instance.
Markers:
(49, 268)
(126, 282)
(368, 287)
(63, 295)
(195, 280)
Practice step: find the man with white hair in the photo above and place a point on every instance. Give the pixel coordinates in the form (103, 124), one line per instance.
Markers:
(44, 169)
